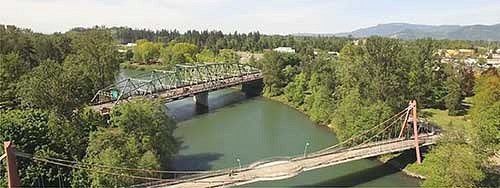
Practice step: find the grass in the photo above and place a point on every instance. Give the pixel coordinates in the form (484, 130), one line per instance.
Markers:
(448, 123)
(442, 119)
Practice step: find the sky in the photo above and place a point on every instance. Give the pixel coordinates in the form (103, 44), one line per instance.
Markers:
(266, 16)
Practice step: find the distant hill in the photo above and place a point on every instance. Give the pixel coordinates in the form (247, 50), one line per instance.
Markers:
(415, 31)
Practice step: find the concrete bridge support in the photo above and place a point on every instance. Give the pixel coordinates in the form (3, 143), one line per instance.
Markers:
(201, 102)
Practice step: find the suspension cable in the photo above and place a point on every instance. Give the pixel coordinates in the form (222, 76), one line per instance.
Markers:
(87, 169)
(358, 135)
(123, 168)
(381, 131)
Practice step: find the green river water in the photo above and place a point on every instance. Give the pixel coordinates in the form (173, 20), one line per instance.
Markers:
(257, 128)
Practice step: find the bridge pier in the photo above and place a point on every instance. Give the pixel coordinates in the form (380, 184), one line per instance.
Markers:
(201, 102)
(252, 88)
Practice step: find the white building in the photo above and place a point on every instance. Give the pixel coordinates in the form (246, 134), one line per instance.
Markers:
(493, 63)
(334, 53)
(284, 50)
(131, 45)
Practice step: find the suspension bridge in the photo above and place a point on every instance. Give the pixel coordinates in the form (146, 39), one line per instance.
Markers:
(182, 81)
(399, 132)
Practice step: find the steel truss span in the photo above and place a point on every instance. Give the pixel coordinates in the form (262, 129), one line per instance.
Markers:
(182, 81)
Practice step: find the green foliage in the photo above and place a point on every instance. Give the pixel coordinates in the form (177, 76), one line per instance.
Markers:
(146, 51)
(353, 115)
(216, 40)
(294, 91)
(18, 41)
(322, 84)
(486, 112)
(426, 74)
(97, 53)
(450, 165)
(139, 136)
(52, 86)
(206, 55)
(179, 53)
(55, 47)
(63, 86)
(228, 56)
(12, 67)
(278, 70)
(455, 95)
(377, 70)
(46, 135)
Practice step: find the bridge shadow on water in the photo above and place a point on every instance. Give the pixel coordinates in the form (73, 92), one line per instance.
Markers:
(186, 109)
(369, 174)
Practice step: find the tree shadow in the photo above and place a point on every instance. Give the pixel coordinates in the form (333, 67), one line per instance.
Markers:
(195, 162)
(426, 114)
(392, 166)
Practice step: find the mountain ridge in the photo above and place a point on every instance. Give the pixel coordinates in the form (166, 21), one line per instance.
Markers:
(416, 31)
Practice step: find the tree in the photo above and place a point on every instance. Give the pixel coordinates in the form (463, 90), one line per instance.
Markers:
(322, 86)
(455, 95)
(353, 115)
(278, 70)
(97, 52)
(387, 72)
(56, 87)
(451, 165)
(206, 55)
(485, 113)
(179, 53)
(12, 67)
(295, 90)
(425, 76)
(377, 70)
(139, 136)
(228, 56)
(44, 134)
(146, 51)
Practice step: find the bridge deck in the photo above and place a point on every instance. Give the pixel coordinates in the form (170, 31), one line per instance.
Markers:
(288, 168)
(190, 90)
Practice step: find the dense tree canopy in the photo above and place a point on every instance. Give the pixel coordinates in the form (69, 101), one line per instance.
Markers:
(146, 51)
(45, 83)
(278, 70)
(486, 112)
(45, 134)
(451, 165)
(139, 136)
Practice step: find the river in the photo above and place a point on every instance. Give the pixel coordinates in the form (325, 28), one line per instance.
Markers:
(252, 129)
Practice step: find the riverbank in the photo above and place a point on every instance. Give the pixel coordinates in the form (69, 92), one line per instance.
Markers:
(136, 66)
(390, 159)
(259, 128)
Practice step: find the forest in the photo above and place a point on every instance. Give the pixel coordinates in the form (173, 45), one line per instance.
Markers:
(46, 81)
(369, 82)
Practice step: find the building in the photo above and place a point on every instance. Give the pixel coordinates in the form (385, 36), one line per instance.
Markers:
(493, 63)
(284, 50)
(448, 53)
(130, 45)
(334, 53)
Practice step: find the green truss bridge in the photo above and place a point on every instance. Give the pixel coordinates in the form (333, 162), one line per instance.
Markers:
(183, 81)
